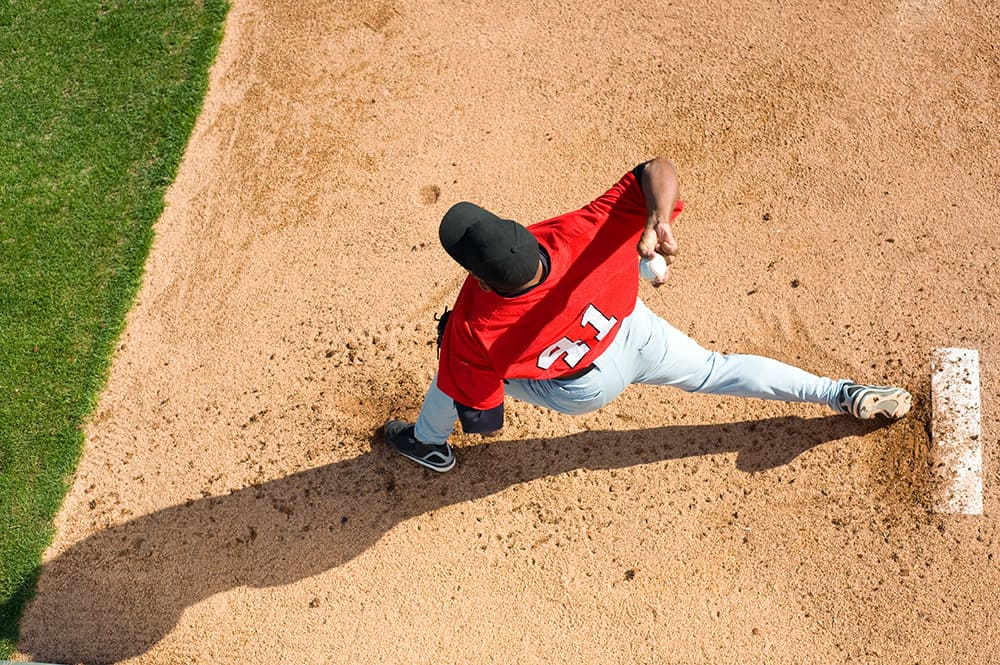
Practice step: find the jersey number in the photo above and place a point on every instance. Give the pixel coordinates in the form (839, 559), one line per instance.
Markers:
(574, 351)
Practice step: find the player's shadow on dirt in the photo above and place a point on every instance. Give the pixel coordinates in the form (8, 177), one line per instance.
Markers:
(117, 593)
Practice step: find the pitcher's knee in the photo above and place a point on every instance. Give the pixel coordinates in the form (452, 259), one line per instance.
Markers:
(702, 380)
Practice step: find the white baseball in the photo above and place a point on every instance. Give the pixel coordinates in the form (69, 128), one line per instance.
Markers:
(654, 268)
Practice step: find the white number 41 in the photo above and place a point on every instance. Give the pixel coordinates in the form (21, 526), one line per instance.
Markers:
(572, 352)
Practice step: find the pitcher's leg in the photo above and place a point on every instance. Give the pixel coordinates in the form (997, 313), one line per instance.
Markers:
(572, 397)
(743, 375)
(437, 416)
(672, 358)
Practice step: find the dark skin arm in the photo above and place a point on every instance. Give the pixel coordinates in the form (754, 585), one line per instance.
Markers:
(661, 187)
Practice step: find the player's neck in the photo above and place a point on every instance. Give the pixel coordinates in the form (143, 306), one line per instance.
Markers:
(539, 274)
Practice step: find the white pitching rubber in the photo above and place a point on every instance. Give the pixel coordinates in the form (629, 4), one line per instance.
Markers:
(956, 441)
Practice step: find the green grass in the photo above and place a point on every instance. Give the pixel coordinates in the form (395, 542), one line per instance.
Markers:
(97, 102)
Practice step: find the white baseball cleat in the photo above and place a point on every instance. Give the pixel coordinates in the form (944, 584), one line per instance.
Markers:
(866, 402)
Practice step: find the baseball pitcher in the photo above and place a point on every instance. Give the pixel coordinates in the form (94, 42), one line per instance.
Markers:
(550, 314)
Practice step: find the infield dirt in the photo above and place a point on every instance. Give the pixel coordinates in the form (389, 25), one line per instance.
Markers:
(839, 165)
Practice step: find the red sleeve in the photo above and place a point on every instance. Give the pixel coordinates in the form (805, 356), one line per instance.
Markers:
(625, 199)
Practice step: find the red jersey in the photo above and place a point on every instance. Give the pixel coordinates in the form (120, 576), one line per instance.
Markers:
(565, 322)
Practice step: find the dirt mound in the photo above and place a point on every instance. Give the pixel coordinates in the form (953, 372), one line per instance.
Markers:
(235, 502)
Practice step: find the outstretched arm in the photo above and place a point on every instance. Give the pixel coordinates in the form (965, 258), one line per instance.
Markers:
(661, 187)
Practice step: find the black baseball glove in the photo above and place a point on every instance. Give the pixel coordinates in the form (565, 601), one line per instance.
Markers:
(442, 321)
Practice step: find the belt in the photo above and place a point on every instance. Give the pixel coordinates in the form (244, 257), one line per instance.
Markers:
(577, 374)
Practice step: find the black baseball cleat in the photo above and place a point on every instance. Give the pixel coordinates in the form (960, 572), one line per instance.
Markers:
(437, 457)
(866, 402)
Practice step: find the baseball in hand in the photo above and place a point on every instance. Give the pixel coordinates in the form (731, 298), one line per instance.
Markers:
(653, 268)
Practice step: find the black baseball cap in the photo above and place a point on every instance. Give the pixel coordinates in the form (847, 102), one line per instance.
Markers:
(498, 251)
